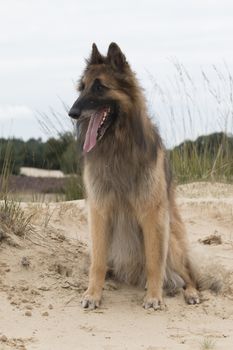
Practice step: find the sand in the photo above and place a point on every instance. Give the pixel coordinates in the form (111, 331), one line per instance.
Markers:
(44, 275)
(35, 172)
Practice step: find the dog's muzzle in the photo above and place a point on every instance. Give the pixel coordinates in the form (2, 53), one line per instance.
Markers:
(75, 111)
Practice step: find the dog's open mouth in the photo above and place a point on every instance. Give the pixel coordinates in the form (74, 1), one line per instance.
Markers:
(98, 124)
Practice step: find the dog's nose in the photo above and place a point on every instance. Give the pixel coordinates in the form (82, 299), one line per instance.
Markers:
(74, 112)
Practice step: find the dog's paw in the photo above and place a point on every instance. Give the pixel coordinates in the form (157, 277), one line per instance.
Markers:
(90, 301)
(191, 296)
(154, 303)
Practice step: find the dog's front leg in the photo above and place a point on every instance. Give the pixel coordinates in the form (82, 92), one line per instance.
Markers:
(155, 227)
(98, 226)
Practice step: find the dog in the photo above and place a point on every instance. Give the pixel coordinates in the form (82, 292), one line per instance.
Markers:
(136, 230)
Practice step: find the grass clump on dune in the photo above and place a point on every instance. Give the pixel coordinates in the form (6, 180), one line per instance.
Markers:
(13, 220)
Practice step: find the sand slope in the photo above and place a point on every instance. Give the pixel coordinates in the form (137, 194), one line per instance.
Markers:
(43, 277)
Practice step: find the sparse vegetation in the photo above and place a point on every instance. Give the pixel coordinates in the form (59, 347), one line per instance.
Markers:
(6, 167)
(73, 188)
(13, 218)
(208, 344)
(187, 106)
(210, 157)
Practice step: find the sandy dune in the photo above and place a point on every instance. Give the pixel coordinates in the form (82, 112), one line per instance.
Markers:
(43, 276)
(35, 172)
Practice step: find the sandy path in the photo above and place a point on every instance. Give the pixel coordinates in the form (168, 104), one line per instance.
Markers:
(39, 303)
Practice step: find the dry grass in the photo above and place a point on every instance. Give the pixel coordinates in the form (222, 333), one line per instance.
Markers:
(188, 106)
(207, 344)
(13, 221)
(6, 170)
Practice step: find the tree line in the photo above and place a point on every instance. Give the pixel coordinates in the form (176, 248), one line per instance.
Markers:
(208, 154)
(54, 154)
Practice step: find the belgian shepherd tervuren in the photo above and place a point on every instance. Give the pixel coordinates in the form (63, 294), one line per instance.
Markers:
(135, 226)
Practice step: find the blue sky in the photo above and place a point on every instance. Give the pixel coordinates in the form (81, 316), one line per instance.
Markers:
(44, 43)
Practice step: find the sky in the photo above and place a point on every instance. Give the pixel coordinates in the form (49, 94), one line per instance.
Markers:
(43, 45)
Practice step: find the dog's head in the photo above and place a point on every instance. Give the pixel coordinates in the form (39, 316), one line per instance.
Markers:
(108, 91)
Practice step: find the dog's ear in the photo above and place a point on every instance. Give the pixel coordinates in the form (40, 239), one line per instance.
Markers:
(96, 57)
(116, 58)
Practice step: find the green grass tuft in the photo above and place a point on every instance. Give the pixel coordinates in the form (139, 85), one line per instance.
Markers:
(208, 344)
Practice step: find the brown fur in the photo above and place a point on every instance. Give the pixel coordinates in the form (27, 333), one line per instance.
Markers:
(135, 226)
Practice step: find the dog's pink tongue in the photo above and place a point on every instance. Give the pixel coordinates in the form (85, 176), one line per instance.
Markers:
(91, 134)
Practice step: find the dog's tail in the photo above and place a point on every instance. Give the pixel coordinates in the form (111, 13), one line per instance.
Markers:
(207, 274)
(211, 277)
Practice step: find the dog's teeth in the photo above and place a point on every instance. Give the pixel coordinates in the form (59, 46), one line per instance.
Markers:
(104, 118)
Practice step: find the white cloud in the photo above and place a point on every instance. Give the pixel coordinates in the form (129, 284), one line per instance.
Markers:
(8, 112)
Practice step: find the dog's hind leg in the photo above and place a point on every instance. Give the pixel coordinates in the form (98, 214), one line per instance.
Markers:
(179, 260)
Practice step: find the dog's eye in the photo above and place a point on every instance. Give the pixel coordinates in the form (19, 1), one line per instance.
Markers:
(98, 87)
